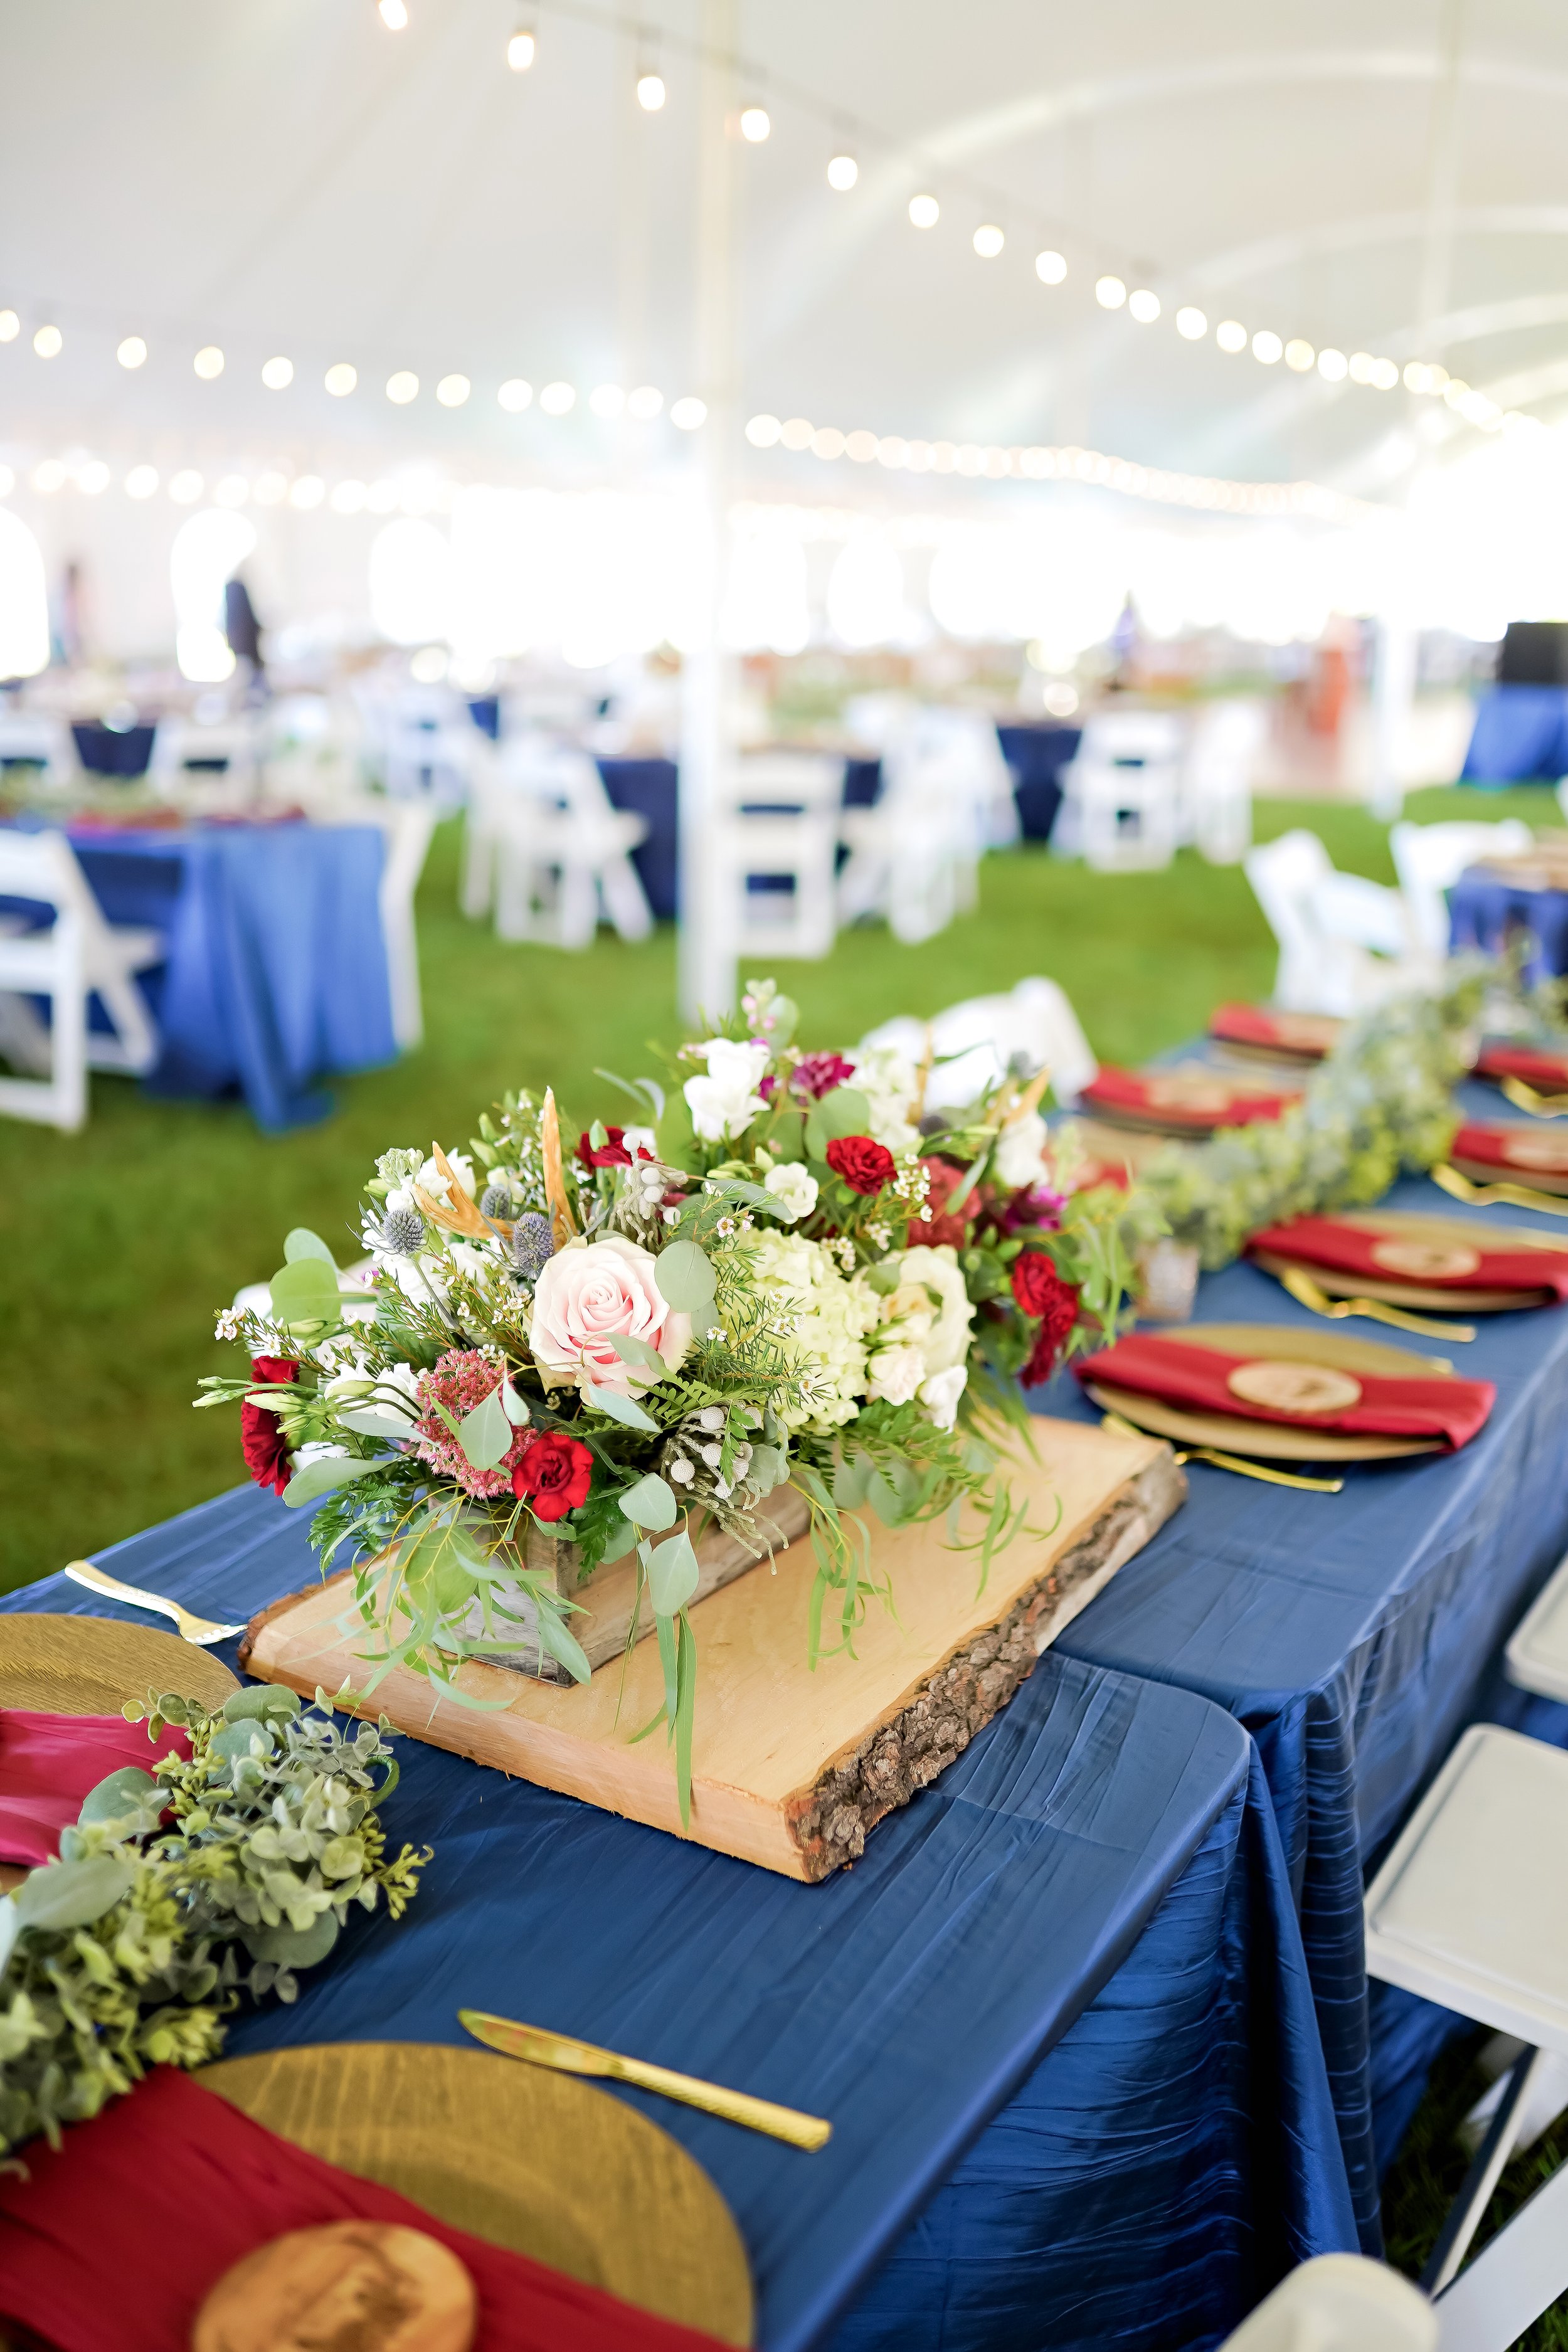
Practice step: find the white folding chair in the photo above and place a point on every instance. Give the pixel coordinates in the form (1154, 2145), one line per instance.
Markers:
(221, 760)
(43, 866)
(407, 827)
(562, 850)
(1122, 792)
(1340, 2303)
(974, 1044)
(780, 826)
(1344, 941)
(1217, 780)
(37, 739)
(1470, 1910)
(1429, 860)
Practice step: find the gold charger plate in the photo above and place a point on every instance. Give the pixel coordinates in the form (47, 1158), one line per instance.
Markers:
(91, 1666)
(536, 2162)
(1510, 1172)
(1417, 1225)
(1277, 1441)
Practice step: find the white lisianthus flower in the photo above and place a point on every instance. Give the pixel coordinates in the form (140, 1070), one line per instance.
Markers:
(589, 1294)
(897, 1372)
(431, 1181)
(1020, 1155)
(941, 1392)
(318, 1451)
(888, 1081)
(725, 1103)
(793, 1184)
(829, 1318)
(922, 1271)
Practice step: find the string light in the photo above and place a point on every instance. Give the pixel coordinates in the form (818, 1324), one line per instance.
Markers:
(515, 395)
(277, 374)
(1192, 323)
(232, 491)
(755, 125)
(1300, 355)
(186, 487)
(687, 414)
(650, 92)
(1230, 335)
(988, 241)
(341, 379)
(558, 399)
(271, 490)
(402, 386)
(1050, 268)
(48, 342)
(132, 352)
(1333, 365)
(306, 492)
(1143, 305)
(521, 49)
(1266, 347)
(47, 477)
(644, 403)
(142, 481)
(208, 362)
(92, 478)
(843, 172)
(453, 390)
(1109, 293)
(607, 400)
(924, 211)
(10, 326)
(393, 14)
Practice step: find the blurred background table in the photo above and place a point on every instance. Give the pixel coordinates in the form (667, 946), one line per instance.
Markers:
(1487, 910)
(1521, 736)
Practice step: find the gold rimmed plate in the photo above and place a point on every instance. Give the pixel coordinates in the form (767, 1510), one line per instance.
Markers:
(1425, 1232)
(1279, 1441)
(539, 2163)
(91, 1666)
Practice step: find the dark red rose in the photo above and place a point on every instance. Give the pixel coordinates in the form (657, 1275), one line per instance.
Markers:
(1041, 1290)
(1036, 1282)
(554, 1474)
(611, 1154)
(261, 1438)
(865, 1166)
(817, 1073)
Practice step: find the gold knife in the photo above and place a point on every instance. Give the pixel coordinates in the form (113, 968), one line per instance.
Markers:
(1307, 1293)
(1114, 1421)
(538, 2048)
(1487, 1196)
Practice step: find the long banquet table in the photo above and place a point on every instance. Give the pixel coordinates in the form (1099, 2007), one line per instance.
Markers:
(1057, 2015)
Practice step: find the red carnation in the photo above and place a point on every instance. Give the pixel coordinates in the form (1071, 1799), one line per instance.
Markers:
(817, 1073)
(864, 1165)
(1041, 1290)
(610, 1154)
(553, 1473)
(261, 1438)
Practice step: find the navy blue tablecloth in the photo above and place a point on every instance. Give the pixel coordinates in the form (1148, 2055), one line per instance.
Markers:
(276, 975)
(1354, 1635)
(1521, 736)
(651, 787)
(1058, 2014)
(1486, 913)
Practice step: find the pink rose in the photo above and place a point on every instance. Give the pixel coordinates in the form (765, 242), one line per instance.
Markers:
(590, 1292)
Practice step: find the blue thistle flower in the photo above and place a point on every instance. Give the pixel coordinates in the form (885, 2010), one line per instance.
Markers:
(532, 1244)
(495, 1200)
(402, 1233)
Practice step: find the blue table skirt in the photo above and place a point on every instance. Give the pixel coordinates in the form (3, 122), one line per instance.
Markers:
(1521, 736)
(1355, 1635)
(1486, 912)
(276, 975)
(1059, 2013)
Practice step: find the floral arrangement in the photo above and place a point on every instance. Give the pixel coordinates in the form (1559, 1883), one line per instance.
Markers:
(123, 1954)
(784, 1273)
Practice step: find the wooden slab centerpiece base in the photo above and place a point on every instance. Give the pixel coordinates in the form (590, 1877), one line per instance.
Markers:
(791, 1766)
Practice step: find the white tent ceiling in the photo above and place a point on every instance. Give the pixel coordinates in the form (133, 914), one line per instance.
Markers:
(289, 177)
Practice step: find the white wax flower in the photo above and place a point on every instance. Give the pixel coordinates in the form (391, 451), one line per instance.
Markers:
(888, 1081)
(372, 1403)
(793, 1184)
(1020, 1155)
(590, 1293)
(896, 1374)
(725, 1102)
(939, 1393)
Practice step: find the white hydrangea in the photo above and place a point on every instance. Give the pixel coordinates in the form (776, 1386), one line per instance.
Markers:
(1020, 1155)
(889, 1081)
(830, 1320)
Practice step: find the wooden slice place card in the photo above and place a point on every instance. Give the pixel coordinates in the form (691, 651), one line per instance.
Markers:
(345, 2286)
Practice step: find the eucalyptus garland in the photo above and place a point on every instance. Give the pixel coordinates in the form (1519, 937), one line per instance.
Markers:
(125, 1953)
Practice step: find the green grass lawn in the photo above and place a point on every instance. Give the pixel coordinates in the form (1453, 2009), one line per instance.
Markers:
(116, 1246)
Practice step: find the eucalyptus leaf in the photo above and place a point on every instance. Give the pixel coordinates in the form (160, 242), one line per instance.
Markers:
(268, 1702)
(851, 1480)
(672, 1575)
(303, 1244)
(769, 1467)
(619, 1408)
(633, 1350)
(319, 1478)
(125, 1792)
(618, 1542)
(304, 1291)
(65, 1895)
(650, 1503)
(514, 1406)
(843, 1111)
(485, 1433)
(254, 1732)
(685, 1277)
(563, 1645)
(884, 1279)
(293, 1947)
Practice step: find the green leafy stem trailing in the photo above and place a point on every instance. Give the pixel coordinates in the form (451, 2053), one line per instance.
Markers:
(125, 1953)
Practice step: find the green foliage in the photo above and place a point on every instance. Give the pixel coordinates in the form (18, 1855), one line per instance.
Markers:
(126, 1952)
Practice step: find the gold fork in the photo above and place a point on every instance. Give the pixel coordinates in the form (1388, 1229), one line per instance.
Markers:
(1495, 1196)
(1217, 1461)
(1306, 1293)
(1524, 1096)
(202, 1631)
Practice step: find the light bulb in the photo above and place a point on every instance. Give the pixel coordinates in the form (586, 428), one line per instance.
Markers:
(796, 432)
(453, 390)
(1437, 377)
(644, 403)
(306, 492)
(762, 432)
(861, 447)
(1454, 391)
(92, 478)
(557, 399)
(348, 498)
(1143, 305)
(1192, 323)
(828, 442)
(1267, 346)
(208, 362)
(401, 387)
(186, 487)
(10, 326)
(1361, 366)
(650, 92)
(232, 491)
(1385, 375)
(1230, 335)
(924, 211)
(521, 51)
(132, 352)
(277, 374)
(1109, 293)
(393, 14)
(843, 172)
(755, 124)
(1299, 354)
(607, 400)
(1331, 365)
(515, 395)
(140, 481)
(271, 490)
(988, 241)
(687, 414)
(47, 477)
(341, 379)
(1050, 268)
(48, 342)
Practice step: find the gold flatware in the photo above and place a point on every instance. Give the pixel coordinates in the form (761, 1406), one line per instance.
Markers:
(538, 2048)
(1306, 1293)
(1524, 1096)
(1218, 1461)
(199, 1630)
(1495, 1196)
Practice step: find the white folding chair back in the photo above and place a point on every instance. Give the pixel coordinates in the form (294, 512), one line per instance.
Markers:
(220, 761)
(914, 856)
(1122, 792)
(974, 1044)
(1340, 2303)
(1217, 780)
(50, 963)
(1343, 941)
(781, 823)
(1537, 1655)
(1429, 860)
(38, 740)
(418, 741)
(407, 827)
(110, 956)
(559, 849)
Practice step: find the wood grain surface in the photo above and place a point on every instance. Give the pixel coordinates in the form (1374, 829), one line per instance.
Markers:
(91, 1666)
(343, 2286)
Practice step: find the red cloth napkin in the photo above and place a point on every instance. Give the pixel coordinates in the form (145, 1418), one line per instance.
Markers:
(48, 1763)
(1548, 1072)
(1353, 1249)
(115, 2240)
(1144, 1092)
(1311, 1035)
(1522, 1153)
(1196, 1377)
